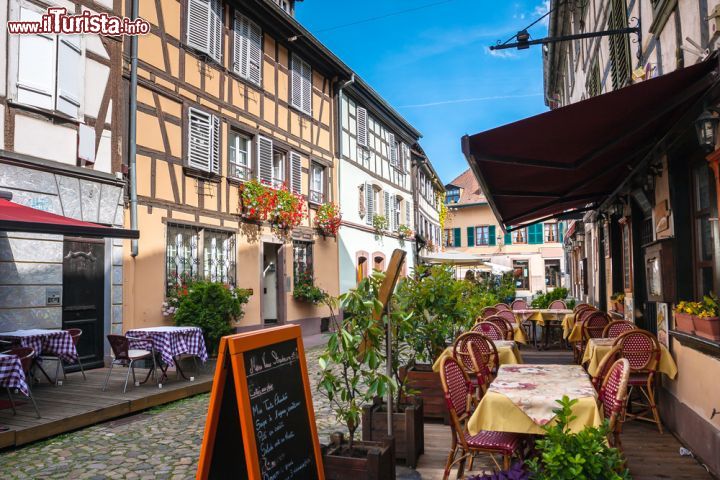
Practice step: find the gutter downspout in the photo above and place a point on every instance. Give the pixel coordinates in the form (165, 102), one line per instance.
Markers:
(132, 133)
(340, 148)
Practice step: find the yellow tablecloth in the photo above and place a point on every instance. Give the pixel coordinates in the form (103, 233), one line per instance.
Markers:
(519, 335)
(498, 412)
(568, 326)
(507, 351)
(597, 348)
(540, 316)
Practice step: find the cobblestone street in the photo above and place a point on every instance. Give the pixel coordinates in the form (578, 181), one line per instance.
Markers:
(160, 443)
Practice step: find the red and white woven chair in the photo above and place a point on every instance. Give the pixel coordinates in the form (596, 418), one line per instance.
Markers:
(479, 357)
(519, 304)
(613, 396)
(617, 327)
(642, 349)
(502, 306)
(557, 305)
(487, 312)
(458, 397)
(604, 367)
(592, 323)
(500, 320)
(490, 330)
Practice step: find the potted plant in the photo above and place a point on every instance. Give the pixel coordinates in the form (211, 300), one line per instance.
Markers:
(350, 376)
(404, 231)
(618, 299)
(684, 313)
(561, 454)
(256, 200)
(407, 413)
(707, 323)
(328, 219)
(380, 224)
(306, 291)
(516, 472)
(212, 306)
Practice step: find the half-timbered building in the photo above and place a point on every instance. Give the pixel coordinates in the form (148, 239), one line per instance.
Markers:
(231, 91)
(375, 183)
(429, 195)
(60, 144)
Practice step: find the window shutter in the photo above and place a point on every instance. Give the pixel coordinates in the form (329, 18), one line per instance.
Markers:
(362, 127)
(369, 203)
(36, 66)
(471, 236)
(216, 145)
(306, 88)
(295, 173)
(561, 233)
(265, 159)
(387, 209)
(457, 241)
(295, 82)
(240, 45)
(254, 54)
(540, 233)
(69, 72)
(508, 239)
(216, 30)
(198, 26)
(200, 140)
(492, 241)
(393, 149)
(408, 208)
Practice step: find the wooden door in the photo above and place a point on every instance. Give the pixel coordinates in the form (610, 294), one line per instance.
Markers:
(84, 296)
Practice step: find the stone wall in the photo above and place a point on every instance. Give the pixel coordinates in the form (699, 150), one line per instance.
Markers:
(31, 264)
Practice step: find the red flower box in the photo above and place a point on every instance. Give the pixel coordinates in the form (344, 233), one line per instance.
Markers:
(708, 327)
(685, 322)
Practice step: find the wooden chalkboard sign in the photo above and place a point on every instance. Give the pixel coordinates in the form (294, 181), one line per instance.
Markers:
(261, 424)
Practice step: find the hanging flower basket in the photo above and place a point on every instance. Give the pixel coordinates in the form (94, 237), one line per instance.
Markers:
(404, 231)
(284, 209)
(327, 219)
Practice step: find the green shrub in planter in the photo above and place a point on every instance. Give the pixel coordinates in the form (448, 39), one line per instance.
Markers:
(305, 291)
(211, 306)
(563, 455)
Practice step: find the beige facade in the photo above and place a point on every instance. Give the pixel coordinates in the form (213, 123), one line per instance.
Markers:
(535, 254)
(274, 120)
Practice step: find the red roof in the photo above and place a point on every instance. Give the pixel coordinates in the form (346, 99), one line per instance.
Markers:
(575, 157)
(19, 218)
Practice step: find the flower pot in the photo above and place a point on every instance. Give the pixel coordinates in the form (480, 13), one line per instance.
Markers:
(367, 461)
(684, 322)
(426, 383)
(708, 327)
(408, 428)
(619, 307)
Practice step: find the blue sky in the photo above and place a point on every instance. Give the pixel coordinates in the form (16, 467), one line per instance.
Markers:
(433, 64)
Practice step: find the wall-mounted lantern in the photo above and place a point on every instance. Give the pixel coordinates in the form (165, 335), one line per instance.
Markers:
(706, 129)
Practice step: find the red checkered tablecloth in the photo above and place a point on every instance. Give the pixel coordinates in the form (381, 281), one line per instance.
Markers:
(57, 343)
(11, 374)
(171, 342)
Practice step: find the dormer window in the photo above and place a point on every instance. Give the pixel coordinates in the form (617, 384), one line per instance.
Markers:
(286, 5)
(453, 195)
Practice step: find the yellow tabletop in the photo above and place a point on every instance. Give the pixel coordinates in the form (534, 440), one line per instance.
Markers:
(597, 348)
(522, 397)
(540, 316)
(507, 351)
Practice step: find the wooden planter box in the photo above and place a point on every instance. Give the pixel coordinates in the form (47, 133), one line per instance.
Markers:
(685, 322)
(426, 383)
(378, 463)
(707, 327)
(408, 428)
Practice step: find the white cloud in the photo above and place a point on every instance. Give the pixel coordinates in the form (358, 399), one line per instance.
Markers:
(470, 100)
(501, 53)
(541, 10)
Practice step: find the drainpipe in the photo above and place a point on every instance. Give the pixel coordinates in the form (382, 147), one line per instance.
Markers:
(132, 134)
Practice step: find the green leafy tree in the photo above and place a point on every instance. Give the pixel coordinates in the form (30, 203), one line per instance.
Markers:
(563, 455)
(212, 306)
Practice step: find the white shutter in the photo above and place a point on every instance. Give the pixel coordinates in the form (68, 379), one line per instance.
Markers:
(200, 140)
(69, 72)
(392, 145)
(362, 127)
(307, 88)
(198, 25)
(254, 53)
(407, 213)
(387, 209)
(216, 145)
(36, 66)
(216, 30)
(265, 159)
(240, 39)
(295, 83)
(295, 173)
(393, 213)
(369, 203)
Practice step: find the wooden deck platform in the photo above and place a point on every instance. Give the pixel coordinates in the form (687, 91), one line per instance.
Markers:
(79, 403)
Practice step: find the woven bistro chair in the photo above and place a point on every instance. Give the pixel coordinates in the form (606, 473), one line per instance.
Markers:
(593, 324)
(642, 349)
(604, 367)
(490, 330)
(557, 305)
(488, 312)
(519, 304)
(482, 369)
(503, 324)
(617, 327)
(458, 396)
(613, 397)
(125, 356)
(583, 306)
(27, 357)
(503, 306)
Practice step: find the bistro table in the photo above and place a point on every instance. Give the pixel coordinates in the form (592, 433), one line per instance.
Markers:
(57, 343)
(170, 343)
(508, 353)
(597, 348)
(522, 398)
(539, 317)
(11, 374)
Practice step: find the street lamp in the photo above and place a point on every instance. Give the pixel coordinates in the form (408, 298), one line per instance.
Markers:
(706, 129)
